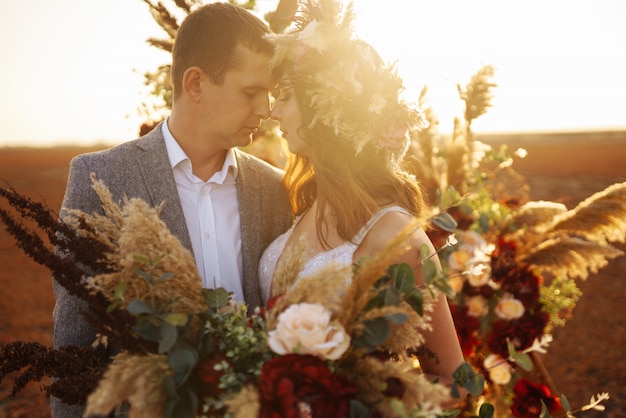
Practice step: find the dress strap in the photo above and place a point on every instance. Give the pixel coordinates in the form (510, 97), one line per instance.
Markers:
(366, 228)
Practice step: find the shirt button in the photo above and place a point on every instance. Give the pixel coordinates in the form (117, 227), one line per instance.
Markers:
(207, 235)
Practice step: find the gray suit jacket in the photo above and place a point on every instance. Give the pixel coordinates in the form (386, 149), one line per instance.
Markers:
(141, 168)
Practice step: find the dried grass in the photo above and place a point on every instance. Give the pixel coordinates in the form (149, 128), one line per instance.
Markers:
(137, 380)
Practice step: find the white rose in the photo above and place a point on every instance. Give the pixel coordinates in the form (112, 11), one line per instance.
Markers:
(477, 306)
(458, 259)
(509, 308)
(307, 329)
(456, 282)
(499, 370)
(472, 239)
(479, 273)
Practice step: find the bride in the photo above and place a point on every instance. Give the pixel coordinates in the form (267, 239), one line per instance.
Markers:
(341, 113)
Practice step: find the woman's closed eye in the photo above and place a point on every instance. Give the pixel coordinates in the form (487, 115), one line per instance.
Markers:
(285, 95)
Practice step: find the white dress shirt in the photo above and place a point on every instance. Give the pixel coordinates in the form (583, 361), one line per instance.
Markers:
(212, 216)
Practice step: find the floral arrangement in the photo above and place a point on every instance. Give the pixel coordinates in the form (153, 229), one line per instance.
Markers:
(514, 265)
(338, 343)
(349, 88)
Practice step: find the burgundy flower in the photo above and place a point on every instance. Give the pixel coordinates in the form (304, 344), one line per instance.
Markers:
(521, 332)
(527, 397)
(485, 291)
(463, 219)
(503, 260)
(207, 377)
(512, 202)
(395, 388)
(270, 304)
(292, 383)
(523, 283)
(466, 328)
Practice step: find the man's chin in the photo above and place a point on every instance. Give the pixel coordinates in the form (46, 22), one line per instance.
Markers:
(245, 140)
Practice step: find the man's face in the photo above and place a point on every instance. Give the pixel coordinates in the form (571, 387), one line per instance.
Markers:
(234, 109)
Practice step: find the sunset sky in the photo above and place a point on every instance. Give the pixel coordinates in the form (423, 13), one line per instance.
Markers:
(72, 69)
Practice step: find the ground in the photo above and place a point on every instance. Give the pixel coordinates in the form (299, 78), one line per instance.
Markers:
(586, 356)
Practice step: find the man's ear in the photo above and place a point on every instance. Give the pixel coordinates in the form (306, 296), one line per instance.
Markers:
(193, 80)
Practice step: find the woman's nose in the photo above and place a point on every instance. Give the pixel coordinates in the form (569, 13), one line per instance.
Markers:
(275, 112)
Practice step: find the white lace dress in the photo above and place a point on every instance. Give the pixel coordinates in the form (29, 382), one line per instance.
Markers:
(341, 254)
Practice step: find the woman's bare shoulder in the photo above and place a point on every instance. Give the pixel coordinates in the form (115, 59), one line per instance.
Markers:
(388, 227)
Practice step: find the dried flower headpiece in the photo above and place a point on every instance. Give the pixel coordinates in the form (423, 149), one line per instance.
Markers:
(347, 85)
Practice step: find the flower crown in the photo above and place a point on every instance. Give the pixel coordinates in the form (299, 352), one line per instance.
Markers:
(347, 85)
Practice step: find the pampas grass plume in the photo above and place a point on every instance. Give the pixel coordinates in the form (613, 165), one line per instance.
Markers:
(571, 257)
(137, 380)
(137, 230)
(245, 403)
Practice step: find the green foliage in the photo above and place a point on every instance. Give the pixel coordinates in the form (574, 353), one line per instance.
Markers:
(521, 359)
(466, 377)
(559, 295)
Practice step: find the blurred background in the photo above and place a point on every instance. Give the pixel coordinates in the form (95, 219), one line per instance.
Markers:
(73, 71)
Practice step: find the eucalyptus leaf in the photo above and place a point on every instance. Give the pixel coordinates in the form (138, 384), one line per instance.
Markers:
(391, 297)
(142, 259)
(445, 221)
(216, 298)
(403, 277)
(377, 301)
(145, 276)
(486, 410)
(148, 331)
(120, 288)
(187, 404)
(140, 307)
(466, 377)
(415, 299)
(358, 410)
(397, 318)
(424, 252)
(176, 319)
(429, 271)
(168, 337)
(183, 360)
(450, 198)
(169, 387)
(164, 277)
(565, 403)
(114, 306)
(375, 332)
(523, 360)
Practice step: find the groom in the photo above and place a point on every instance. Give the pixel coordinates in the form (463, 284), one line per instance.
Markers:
(224, 205)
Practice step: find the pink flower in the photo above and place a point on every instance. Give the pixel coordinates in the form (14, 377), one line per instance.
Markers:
(393, 137)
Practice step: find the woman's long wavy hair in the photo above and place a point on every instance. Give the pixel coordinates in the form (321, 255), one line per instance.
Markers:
(351, 187)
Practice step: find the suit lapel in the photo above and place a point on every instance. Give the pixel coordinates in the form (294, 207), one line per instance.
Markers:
(249, 236)
(158, 179)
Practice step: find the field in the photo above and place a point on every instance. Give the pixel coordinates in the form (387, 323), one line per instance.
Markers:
(586, 357)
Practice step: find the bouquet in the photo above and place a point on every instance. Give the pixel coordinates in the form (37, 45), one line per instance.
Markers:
(514, 263)
(338, 343)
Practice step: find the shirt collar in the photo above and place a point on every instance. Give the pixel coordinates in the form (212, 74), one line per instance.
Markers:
(178, 156)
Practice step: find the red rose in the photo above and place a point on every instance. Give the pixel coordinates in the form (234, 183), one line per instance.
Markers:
(466, 328)
(521, 332)
(527, 397)
(503, 259)
(294, 383)
(485, 291)
(523, 283)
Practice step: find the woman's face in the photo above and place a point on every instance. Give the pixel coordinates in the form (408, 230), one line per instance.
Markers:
(287, 113)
